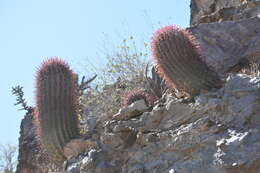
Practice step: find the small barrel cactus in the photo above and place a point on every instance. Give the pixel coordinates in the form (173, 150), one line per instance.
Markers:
(179, 61)
(138, 94)
(56, 107)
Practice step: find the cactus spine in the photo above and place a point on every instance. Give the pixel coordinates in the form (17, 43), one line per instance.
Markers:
(56, 107)
(179, 62)
(138, 94)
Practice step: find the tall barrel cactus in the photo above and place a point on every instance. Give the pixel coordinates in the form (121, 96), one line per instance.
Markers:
(179, 61)
(56, 107)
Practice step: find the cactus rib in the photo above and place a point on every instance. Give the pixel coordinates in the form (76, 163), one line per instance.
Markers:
(180, 62)
(56, 107)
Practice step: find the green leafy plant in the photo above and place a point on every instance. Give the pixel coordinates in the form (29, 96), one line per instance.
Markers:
(155, 84)
(20, 100)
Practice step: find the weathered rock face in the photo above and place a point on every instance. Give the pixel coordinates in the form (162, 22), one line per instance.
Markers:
(207, 11)
(228, 46)
(31, 158)
(219, 132)
(228, 32)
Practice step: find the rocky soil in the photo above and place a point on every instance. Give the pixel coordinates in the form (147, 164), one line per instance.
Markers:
(219, 132)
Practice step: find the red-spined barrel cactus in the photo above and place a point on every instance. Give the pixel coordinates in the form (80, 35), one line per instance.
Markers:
(179, 61)
(138, 94)
(56, 107)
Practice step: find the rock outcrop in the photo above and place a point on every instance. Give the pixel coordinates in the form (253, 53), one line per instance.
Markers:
(228, 32)
(31, 159)
(208, 11)
(219, 132)
(231, 45)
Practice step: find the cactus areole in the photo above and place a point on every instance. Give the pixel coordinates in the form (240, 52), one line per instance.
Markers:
(56, 107)
(178, 60)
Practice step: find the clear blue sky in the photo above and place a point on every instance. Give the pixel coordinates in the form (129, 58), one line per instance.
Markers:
(32, 30)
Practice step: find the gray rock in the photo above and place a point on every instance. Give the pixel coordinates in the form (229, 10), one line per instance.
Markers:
(95, 162)
(113, 141)
(133, 110)
(176, 113)
(209, 11)
(91, 123)
(220, 134)
(227, 46)
(151, 120)
(105, 167)
(32, 158)
(119, 140)
(138, 168)
(240, 101)
(77, 146)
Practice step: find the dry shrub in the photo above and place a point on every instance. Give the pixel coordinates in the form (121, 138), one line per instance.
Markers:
(125, 69)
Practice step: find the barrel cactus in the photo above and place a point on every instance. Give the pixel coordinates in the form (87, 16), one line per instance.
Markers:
(138, 94)
(56, 107)
(179, 61)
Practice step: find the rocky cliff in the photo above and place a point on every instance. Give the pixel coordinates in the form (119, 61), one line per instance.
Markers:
(209, 11)
(217, 132)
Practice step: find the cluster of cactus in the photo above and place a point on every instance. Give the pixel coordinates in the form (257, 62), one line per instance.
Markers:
(56, 107)
(179, 61)
(138, 94)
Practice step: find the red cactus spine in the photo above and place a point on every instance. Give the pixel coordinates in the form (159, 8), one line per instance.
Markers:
(138, 94)
(179, 61)
(56, 107)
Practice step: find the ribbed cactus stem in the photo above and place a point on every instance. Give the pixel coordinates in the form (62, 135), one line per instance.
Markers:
(179, 61)
(138, 94)
(56, 107)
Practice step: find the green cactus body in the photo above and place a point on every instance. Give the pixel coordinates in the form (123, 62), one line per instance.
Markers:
(56, 107)
(180, 63)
